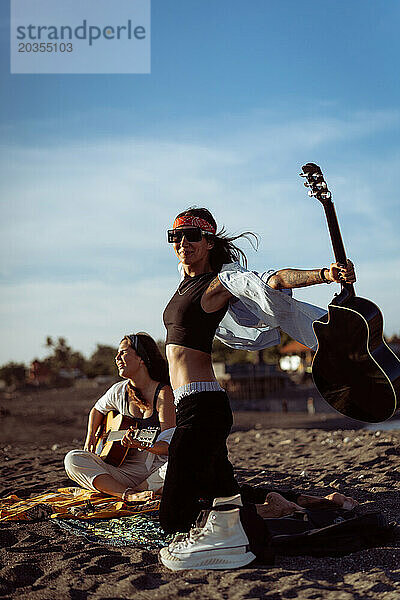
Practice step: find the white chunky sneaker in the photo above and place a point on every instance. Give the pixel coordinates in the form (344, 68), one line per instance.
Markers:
(221, 544)
(236, 500)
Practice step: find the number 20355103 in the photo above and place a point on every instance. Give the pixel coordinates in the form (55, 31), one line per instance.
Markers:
(45, 47)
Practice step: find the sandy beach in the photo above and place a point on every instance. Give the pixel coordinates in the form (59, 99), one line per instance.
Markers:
(316, 453)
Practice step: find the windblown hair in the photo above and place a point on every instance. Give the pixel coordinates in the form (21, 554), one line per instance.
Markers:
(157, 368)
(224, 250)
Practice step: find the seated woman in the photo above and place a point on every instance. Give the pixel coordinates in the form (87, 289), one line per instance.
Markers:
(145, 396)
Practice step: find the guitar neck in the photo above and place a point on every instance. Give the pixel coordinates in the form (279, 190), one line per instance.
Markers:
(116, 436)
(314, 180)
(336, 239)
(145, 436)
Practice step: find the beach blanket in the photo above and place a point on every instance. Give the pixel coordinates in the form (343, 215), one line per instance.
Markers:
(140, 530)
(74, 503)
(94, 516)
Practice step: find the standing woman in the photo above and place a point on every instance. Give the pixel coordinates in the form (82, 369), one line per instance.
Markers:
(198, 465)
(145, 396)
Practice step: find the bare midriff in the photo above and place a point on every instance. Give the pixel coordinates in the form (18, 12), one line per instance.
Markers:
(187, 365)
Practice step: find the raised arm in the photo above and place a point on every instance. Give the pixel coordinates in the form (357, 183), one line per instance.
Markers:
(295, 278)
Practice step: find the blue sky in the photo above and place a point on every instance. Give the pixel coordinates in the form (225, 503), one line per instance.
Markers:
(95, 167)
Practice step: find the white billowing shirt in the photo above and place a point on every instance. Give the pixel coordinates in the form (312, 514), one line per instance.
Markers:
(253, 322)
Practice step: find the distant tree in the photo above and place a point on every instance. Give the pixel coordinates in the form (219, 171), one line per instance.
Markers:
(230, 356)
(13, 374)
(102, 362)
(394, 339)
(62, 356)
(272, 355)
(394, 343)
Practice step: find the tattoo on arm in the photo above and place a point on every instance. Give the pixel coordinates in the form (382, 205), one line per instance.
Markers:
(295, 278)
(215, 283)
(215, 297)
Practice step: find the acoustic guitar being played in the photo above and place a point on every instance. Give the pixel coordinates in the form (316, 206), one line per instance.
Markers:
(112, 430)
(353, 368)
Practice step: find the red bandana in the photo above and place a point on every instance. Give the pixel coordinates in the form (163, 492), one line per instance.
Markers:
(193, 222)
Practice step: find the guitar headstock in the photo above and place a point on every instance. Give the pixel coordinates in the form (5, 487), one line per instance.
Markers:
(316, 182)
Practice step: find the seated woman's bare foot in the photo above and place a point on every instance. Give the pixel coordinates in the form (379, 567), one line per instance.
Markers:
(276, 506)
(342, 501)
(132, 496)
(334, 500)
(313, 502)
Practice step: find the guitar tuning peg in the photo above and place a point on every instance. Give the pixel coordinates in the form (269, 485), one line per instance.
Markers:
(306, 184)
(311, 194)
(303, 174)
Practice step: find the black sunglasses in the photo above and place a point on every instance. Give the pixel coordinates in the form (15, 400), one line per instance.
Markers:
(192, 234)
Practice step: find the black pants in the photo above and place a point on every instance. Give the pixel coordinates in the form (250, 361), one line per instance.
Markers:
(198, 466)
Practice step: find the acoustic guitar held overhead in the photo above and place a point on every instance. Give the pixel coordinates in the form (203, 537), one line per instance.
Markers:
(112, 430)
(353, 368)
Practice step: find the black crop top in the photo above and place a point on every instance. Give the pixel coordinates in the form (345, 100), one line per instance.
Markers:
(186, 322)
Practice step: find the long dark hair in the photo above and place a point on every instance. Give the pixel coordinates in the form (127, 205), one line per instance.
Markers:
(224, 250)
(156, 365)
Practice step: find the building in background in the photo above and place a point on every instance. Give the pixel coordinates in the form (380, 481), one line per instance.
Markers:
(248, 381)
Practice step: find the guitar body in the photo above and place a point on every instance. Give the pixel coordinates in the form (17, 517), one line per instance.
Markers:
(113, 453)
(353, 368)
(112, 430)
